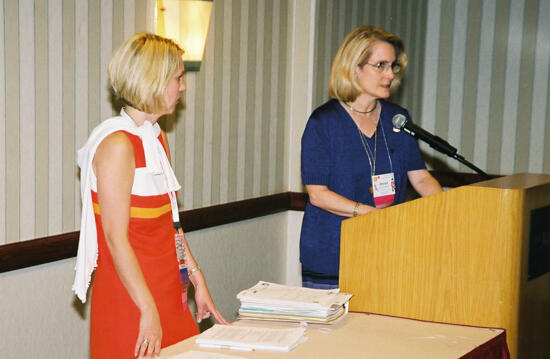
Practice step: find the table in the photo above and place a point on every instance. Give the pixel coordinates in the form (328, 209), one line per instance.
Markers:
(363, 335)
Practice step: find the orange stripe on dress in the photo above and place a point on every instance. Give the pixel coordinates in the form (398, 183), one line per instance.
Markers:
(142, 212)
(151, 201)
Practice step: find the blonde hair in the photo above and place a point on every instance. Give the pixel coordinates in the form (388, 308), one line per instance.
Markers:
(140, 70)
(355, 52)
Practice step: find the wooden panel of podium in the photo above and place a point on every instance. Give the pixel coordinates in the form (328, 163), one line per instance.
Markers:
(457, 257)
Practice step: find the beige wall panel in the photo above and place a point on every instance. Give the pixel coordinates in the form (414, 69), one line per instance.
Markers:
(81, 89)
(41, 116)
(208, 74)
(243, 100)
(188, 147)
(542, 58)
(69, 170)
(27, 128)
(55, 117)
(95, 70)
(40, 304)
(249, 129)
(2, 129)
(12, 135)
(224, 123)
(129, 18)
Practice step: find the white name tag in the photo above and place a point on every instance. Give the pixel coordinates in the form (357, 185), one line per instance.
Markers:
(383, 189)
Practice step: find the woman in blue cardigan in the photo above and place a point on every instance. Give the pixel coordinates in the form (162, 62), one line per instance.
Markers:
(353, 162)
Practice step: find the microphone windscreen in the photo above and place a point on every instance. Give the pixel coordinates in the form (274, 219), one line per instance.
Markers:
(399, 121)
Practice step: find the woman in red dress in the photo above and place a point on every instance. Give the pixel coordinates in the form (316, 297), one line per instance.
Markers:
(129, 212)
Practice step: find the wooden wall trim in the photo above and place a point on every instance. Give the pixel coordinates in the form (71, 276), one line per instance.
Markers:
(53, 248)
(212, 216)
(38, 251)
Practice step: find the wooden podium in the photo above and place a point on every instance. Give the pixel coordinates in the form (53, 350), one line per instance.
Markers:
(457, 257)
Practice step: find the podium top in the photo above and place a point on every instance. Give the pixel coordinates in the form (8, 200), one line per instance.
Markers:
(517, 181)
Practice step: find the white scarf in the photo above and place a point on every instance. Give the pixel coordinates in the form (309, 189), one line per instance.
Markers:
(156, 162)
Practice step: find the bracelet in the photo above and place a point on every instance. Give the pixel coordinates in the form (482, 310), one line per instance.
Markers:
(193, 270)
(357, 204)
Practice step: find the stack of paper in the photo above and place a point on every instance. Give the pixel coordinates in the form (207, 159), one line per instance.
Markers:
(281, 302)
(250, 338)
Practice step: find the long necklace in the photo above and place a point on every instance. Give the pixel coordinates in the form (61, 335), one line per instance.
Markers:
(362, 112)
(372, 160)
(371, 156)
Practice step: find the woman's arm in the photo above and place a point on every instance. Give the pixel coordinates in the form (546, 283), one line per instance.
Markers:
(113, 165)
(320, 196)
(203, 299)
(423, 182)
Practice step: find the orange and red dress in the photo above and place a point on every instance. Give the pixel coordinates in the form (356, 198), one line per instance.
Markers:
(114, 316)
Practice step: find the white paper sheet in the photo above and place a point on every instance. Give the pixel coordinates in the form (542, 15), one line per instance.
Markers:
(243, 338)
(194, 354)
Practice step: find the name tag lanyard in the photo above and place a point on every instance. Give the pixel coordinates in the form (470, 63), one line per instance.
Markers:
(384, 184)
(179, 237)
(180, 252)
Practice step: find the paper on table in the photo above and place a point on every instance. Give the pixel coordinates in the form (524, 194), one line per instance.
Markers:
(271, 301)
(281, 317)
(193, 354)
(266, 292)
(236, 337)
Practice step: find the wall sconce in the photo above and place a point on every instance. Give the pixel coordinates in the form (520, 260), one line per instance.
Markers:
(186, 22)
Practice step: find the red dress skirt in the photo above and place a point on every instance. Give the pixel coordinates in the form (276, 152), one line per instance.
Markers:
(114, 315)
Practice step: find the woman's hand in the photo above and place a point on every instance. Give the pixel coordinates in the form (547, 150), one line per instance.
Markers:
(150, 334)
(322, 197)
(203, 300)
(205, 305)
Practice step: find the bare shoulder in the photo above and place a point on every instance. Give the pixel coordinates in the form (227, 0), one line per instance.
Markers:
(115, 148)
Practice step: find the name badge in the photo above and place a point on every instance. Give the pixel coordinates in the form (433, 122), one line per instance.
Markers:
(383, 187)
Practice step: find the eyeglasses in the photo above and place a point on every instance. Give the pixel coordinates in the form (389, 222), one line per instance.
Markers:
(383, 66)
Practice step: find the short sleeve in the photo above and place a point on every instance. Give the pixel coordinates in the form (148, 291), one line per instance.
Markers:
(315, 154)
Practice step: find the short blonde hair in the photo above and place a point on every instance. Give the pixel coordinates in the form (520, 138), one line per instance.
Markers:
(355, 52)
(140, 69)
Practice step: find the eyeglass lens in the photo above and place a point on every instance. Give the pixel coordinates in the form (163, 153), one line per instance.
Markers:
(384, 65)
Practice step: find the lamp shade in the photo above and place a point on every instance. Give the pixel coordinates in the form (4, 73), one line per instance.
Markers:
(186, 22)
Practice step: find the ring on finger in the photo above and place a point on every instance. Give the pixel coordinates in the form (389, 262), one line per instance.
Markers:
(145, 341)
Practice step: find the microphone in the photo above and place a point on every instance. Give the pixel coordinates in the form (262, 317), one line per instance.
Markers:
(400, 123)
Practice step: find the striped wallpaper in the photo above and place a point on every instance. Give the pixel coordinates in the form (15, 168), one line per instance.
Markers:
(478, 75)
(335, 19)
(53, 91)
(486, 82)
(226, 139)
